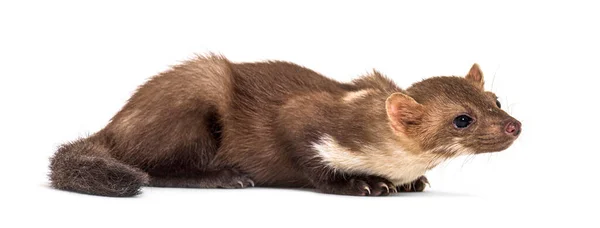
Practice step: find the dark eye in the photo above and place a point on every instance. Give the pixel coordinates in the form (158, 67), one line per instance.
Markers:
(462, 121)
(498, 104)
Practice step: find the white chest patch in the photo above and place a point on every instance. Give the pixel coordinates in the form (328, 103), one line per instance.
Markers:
(396, 165)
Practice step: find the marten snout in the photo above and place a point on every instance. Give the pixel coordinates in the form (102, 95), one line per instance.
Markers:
(512, 127)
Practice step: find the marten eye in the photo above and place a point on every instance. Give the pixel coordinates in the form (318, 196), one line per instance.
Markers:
(462, 121)
(498, 104)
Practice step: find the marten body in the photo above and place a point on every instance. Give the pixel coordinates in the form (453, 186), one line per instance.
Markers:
(210, 123)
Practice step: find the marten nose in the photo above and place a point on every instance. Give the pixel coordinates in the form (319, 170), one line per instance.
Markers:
(513, 128)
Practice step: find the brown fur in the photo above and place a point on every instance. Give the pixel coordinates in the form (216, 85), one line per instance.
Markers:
(211, 123)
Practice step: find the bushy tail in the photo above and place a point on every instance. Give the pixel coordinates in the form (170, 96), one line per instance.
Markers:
(85, 166)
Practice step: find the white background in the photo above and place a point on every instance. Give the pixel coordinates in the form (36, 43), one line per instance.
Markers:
(67, 67)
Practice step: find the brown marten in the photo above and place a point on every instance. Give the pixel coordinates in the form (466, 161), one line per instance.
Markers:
(211, 123)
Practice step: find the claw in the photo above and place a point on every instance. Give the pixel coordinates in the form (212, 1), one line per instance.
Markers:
(387, 189)
(426, 181)
(241, 183)
(393, 189)
(251, 183)
(368, 190)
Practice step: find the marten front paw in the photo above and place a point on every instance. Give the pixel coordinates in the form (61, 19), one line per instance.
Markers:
(362, 186)
(233, 179)
(237, 182)
(417, 185)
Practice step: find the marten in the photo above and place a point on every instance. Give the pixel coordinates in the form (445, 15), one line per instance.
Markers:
(212, 123)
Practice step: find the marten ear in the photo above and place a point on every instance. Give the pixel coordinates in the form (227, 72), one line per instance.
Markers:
(403, 111)
(475, 76)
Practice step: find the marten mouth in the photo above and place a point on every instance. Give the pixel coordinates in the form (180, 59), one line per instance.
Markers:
(491, 146)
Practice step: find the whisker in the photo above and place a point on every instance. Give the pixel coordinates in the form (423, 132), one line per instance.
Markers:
(510, 108)
(472, 158)
(466, 161)
(494, 78)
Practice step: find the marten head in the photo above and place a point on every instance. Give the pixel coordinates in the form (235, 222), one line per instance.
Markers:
(452, 116)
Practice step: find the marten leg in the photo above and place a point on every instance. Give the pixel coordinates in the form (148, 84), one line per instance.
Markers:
(328, 180)
(417, 185)
(177, 148)
(227, 178)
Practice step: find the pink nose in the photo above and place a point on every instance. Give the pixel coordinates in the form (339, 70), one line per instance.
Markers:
(513, 128)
